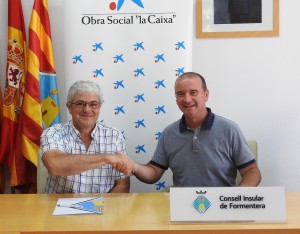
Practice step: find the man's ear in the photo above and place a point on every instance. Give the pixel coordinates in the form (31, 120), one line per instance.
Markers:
(206, 95)
(68, 105)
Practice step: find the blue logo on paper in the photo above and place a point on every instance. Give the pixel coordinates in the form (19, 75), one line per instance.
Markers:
(119, 84)
(119, 109)
(120, 3)
(180, 45)
(77, 58)
(159, 57)
(159, 83)
(158, 134)
(160, 185)
(160, 109)
(97, 46)
(139, 71)
(118, 58)
(179, 71)
(139, 97)
(138, 45)
(98, 72)
(140, 148)
(139, 123)
(201, 204)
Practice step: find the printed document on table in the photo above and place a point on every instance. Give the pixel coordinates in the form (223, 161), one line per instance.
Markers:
(73, 206)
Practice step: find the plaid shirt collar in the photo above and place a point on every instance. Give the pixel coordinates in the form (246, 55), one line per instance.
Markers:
(76, 134)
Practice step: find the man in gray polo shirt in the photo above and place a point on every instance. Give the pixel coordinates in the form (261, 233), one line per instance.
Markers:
(201, 149)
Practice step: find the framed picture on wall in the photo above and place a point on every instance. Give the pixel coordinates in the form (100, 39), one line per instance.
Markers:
(237, 18)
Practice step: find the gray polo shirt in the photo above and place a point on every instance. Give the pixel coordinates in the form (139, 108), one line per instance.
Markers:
(208, 156)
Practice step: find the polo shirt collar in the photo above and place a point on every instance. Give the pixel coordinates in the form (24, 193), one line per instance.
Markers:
(208, 122)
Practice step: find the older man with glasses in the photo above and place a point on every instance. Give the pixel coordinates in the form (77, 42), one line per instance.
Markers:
(79, 153)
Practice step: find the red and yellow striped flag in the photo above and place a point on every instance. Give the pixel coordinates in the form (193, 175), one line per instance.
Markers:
(2, 173)
(22, 171)
(40, 105)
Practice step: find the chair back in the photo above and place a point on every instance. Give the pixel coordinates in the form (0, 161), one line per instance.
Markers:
(253, 148)
(42, 174)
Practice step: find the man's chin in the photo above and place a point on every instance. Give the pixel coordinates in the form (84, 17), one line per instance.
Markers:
(88, 123)
(189, 109)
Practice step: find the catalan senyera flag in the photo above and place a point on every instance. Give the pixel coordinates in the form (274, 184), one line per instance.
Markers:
(40, 107)
(2, 174)
(21, 169)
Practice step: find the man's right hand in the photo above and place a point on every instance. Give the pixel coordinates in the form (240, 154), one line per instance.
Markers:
(121, 162)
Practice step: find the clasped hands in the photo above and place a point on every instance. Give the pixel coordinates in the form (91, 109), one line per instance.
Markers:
(122, 163)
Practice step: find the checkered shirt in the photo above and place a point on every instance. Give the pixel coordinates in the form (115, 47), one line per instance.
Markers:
(65, 137)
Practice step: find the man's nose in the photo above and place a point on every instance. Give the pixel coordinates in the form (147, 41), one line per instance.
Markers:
(187, 98)
(87, 107)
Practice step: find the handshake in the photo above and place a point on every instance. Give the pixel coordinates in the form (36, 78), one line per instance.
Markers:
(122, 163)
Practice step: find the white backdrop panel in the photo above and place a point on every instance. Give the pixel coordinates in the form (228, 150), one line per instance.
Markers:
(153, 41)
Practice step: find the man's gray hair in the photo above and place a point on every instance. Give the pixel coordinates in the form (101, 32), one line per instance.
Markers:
(84, 86)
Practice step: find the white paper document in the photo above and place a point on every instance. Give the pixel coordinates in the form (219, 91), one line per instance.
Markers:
(73, 206)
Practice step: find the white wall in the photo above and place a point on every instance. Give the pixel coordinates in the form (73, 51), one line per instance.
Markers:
(253, 81)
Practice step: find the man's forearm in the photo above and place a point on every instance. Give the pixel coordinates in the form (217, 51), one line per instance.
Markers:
(121, 186)
(147, 173)
(251, 178)
(69, 164)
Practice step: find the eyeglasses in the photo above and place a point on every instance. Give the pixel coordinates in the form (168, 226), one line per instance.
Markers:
(81, 104)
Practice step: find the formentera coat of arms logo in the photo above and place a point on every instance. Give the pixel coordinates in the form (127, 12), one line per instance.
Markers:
(201, 204)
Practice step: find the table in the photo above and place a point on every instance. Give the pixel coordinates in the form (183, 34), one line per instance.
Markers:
(138, 213)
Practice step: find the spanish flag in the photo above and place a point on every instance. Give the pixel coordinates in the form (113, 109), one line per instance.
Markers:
(40, 107)
(1, 106)
(22, 171)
